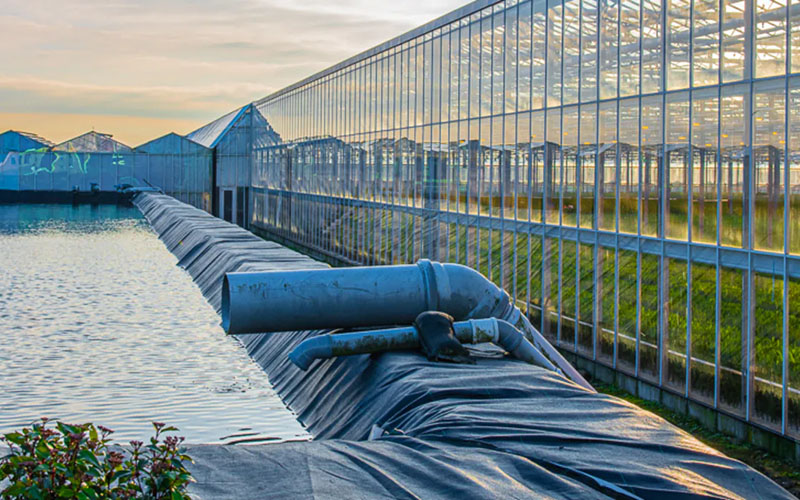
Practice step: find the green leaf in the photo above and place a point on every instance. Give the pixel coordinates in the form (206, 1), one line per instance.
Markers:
(65, 492)
(14, 437)
(89, 457)
(34, 492)
(14, 490)
(66, 428)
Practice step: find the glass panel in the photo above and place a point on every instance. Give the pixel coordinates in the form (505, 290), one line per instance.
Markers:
(794, 165)
(589, 50)
(572, 50)
(678, 41)
(733, 338)
(588, 159)
(628, 306)
(487, 53)
(652, 157)
(487, 162)
(629, 165)
(570, 160)
(474, 72)
(498, 62)
(704, 320)
(768, 350)
(651, 46)
(606, 266)
(551, 287)
(465, 63)
(706, 42)
(537, 159)
(770, 37)
(609, 28)
(569, 258)
(677, 166)
(733, 40)
(524, 171)
(768, 149)
(629, 34)
(510, 73)
(524, 56)
(648, 342)
(536, 265)
(554, 35)
(455, 76)
(704, 166)
(735, 157)
(793, 420)
(676, 314)
(553, 165)
(586, 300)
(538, 52)
(607, 167)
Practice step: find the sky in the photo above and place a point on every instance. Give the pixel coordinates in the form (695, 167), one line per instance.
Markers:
(140, 69)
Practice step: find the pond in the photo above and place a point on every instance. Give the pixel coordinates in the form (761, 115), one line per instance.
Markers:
(98, 324)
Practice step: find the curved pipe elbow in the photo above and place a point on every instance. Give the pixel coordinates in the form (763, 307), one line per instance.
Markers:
(320, 347)
(467, 294)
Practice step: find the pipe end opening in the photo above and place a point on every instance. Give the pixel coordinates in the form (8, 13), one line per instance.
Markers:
(226, 305)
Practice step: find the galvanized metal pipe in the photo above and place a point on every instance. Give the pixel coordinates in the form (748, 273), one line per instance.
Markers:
(356, 297)
(498, 332)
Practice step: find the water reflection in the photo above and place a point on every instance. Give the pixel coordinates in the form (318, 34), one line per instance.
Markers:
(99, 324)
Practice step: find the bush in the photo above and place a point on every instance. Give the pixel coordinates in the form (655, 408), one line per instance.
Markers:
(75, 461)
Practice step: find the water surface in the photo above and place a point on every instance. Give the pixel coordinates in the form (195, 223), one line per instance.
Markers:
(98, 324)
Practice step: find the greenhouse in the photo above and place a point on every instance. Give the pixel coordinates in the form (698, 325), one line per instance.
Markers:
(33, 169)
(234, 137)
(628, 170)
(178, 166)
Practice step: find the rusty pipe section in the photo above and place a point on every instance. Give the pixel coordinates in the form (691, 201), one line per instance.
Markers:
(357, 297)
(498, 332)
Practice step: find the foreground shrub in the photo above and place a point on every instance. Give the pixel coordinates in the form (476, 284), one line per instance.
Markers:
(75, 461)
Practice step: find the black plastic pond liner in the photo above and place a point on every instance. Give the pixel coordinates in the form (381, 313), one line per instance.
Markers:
(396, 425)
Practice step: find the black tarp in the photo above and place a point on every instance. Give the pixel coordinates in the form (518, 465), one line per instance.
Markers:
(496, 429)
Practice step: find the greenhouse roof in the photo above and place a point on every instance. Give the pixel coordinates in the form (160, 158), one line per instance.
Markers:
(209, 135)
(33, 138)
(93, 142)
(171, 143)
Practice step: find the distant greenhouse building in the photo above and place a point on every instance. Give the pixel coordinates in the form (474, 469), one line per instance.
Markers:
(233, 138)
(13, 142)
(92, 142)
(96, 163)
(178, 166)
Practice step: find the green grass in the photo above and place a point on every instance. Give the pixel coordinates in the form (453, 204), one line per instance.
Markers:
(590, 274)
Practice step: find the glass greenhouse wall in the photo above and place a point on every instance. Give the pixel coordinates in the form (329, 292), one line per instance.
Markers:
(233, 138)
(628, 170)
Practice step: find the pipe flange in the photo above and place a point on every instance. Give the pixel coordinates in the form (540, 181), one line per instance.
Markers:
(429, 283)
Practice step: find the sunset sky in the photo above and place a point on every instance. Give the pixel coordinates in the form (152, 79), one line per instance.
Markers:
(139, 69)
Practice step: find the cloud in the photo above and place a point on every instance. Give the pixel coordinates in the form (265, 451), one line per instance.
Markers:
(32, 95)
(182, 59)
